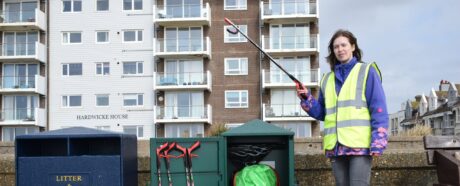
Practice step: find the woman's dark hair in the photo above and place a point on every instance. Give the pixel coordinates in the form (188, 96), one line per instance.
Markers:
(331, 59)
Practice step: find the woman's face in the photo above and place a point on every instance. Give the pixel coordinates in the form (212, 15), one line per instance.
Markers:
(343, 50)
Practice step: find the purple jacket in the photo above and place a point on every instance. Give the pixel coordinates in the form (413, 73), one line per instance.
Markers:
(375, 102)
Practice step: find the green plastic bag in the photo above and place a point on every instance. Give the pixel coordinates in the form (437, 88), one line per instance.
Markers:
(256, 175)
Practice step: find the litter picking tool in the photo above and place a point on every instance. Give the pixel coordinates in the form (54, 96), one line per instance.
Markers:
(167, 156)
(299, 85)
(187, 156)
(160, 155)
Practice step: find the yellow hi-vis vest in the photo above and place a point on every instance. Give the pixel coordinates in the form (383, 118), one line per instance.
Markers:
(347, 118)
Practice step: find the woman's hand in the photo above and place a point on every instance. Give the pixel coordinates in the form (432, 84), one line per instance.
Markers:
(302, 91)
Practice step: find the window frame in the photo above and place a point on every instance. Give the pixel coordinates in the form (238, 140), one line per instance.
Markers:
(240, 93)
(241, 38)
(108, 6)
(108, 100)
(68, 37)
(107, 37)
(132, 6)
(137, 129)
(136, 35)
(137, 99)
(241, 71)
(103, 73)
(72, 5)
(239, 5)
(68, 101)
(137, 68)
(68, 69)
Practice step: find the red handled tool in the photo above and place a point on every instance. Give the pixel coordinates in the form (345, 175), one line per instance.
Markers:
(187, 156)
(167, 156)
(299, 85)
(160, 155)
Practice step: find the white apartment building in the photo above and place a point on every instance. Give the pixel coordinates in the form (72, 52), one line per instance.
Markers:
(101, 70)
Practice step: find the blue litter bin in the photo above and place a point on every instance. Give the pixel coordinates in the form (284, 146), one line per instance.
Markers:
(76, 156)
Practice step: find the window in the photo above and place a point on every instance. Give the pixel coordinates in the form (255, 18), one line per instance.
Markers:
(132, 4)
(71, 101)
(103, 68)
(72, 69)
(10, 133)
(71, 6)
(136, 130)
(132, 36)
(133, 99)
(183, 39)
(102, 36)
(236, 99)
(102, 100)
(133, 68)
(232, 125)
(235, 5)
(301, 130)
(71, 37)
(236, 66)
(184, 130)
(235, 38)
(291, 36)
(102, 5)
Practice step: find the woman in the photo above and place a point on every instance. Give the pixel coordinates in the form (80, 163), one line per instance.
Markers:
(352, 104)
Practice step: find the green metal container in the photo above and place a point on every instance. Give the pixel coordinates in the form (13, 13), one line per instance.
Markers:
(208, 168)
(281, 156)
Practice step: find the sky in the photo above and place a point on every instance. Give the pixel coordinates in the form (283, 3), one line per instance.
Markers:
(416, 43)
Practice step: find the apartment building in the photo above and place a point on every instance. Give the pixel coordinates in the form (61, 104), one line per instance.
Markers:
(101, 70)
(169, 68)
(23, 63)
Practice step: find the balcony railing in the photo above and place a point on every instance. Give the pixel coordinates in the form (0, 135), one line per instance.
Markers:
(289, 8)
(290, 42)
(26, 114)
(17, 16)
(283, 110)
(278, 77)
(17, 82)
(181, 79)
(18, 49)
(190, 113)
(181, 11)
(183, 46)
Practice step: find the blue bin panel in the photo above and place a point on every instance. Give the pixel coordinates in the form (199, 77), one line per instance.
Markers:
(72, 170)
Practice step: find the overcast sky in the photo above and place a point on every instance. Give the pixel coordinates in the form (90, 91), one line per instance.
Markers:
(416, 43)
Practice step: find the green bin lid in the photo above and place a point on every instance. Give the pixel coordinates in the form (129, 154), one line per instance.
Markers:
(258, 128)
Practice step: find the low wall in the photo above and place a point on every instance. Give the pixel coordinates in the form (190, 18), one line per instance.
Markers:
(404, 163)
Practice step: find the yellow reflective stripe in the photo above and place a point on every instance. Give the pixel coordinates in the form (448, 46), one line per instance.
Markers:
(330, 110)
(354, 123)
(324, 83)
(348, 103)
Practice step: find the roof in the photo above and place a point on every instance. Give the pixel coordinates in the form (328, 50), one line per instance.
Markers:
(73, 131)
(458, 88)
(441, 94)
(258, 128)
(441, 109)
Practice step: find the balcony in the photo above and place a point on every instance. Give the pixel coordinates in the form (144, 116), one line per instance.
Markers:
(179, 15)
(293, 11)
(184, 114)
(183, 81)
(23, 20)
(448, 131)
(277, 79)
(23, 116)
(23, 84)
(291, 45)
(189, 47)
(284, 112)
(23, 52)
